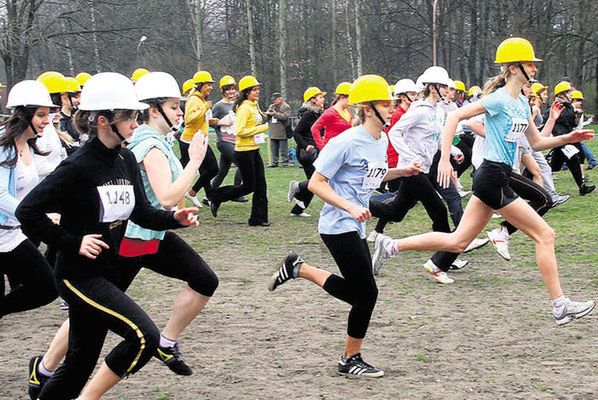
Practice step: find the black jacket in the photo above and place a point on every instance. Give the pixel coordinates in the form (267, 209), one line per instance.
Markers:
(308, 114)
(567, 121)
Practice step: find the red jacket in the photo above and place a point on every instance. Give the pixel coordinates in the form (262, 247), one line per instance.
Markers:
(391, 153)
(333, 125)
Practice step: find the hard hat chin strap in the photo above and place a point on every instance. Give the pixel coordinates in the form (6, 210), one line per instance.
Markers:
(376, 113)
(527, 78)
(30, 113)
(163, 114)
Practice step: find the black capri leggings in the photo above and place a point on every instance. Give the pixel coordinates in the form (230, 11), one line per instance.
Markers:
(305, 195)
(574, 163)
(227, 158)
(207, 170)
(357, 285)
(31, 277)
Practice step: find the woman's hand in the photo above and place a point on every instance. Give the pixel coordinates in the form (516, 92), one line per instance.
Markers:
(198, 147)
(310, 149)
(187, 216)
(555, 110)
(580, 135)
(92, 246)
(445, 173)
(359, 213)
(412, 169)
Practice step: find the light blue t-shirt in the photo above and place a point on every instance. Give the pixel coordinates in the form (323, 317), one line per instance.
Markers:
(506, 121)
(354, 164)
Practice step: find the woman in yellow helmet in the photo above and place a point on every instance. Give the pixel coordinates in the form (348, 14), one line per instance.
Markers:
(350, 167)
(508, 117)
(249, 131)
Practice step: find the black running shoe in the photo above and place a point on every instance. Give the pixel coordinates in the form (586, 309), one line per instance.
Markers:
(355, 367)
(288, 270)
(585, 189)
(171, 356)
(36, 379)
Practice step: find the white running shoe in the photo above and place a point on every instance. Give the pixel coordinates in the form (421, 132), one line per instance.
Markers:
(464, 193)
(573, 310)
(303, 215)
(380, 253)
(496, 216)
(293, 190)
(459, 264)
(194, 200)
(372, 236)
(500, 242)
(476, 244)
(438, 275)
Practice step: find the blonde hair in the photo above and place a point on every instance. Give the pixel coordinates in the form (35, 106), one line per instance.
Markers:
(497, 82)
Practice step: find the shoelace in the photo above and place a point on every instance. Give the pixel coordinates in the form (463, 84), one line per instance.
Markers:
(176, 352)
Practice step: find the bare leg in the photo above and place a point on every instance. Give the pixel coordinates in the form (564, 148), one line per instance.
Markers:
(103, 381)
(524, 218)
(352, 346)
(187, 305)
(476, 216)
(57, 350)
(313, 274)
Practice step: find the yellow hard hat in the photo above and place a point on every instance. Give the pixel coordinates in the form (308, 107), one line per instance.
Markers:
(138, 73)
(188, 85)
(248, 81)
(515, 49)
(227, 80)
(203, 77)
(538, 88)
(54, 81)
(577, 95)
(72, 86)
(312, 91)
(343, 88)
(561, 87)
(368, 88)
(459, 85)
(82, 77)
(391, 88)
(474, 90)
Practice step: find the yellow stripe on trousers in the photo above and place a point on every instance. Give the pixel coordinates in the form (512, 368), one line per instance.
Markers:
(114, 314)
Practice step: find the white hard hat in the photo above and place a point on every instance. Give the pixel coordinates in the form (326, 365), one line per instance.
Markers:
(157, 85)
(435, 74)
(451, 84)
(419, 85)
(109, 91)
(404, 86)
(29, 93)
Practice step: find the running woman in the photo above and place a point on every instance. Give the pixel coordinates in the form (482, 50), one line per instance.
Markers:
(508, 117)
(335, 119)
(349, 169)
(28, 271)
(96, 191)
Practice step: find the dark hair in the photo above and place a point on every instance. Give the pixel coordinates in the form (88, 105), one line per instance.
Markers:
(155, 103)
(13, 128)
(56, 99)
(427, 89)
(86, 122)
(337, 98)
(242, 97)
(227, 87)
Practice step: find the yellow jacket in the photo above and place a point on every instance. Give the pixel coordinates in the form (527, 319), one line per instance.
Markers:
(195, 116)
(248, 123)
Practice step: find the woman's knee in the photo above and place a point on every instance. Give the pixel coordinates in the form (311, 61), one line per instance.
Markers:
(546, 237)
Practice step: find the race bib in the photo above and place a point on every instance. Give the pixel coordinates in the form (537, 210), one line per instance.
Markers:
(517, 129)
(375, 175)
(259, 138)
(116, 202)
(569, 151)
(273, 120)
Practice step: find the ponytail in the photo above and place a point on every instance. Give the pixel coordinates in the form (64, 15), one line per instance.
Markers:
(497, 82)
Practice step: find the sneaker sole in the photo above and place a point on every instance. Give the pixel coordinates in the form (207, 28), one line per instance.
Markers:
(290, 194)
(274, 279)
(496, 248)
(475, 248)
(377, 259)
(364, 375)
(570, 318)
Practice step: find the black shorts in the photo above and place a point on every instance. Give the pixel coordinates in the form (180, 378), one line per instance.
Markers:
(491, 184)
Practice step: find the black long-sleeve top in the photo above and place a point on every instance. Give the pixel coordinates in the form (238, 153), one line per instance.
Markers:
(302, 133)
(566, 122)
(85, 190)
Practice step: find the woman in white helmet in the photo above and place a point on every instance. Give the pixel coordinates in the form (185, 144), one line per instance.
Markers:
(96, 191)
(350, 167)
(508, 117)
(30, 275)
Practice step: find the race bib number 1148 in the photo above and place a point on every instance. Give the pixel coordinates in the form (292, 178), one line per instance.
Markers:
(116, 202)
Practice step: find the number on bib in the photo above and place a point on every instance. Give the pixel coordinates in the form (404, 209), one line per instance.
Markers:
(116, 202)
(375, 175)
(517, 129)
(569, 151)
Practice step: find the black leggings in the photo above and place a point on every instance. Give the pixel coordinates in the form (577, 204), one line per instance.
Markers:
(96, 305)
(227, 158)
(414, 189)
(254, 180)
(574, 163)
(207, 170)
(307, 162)
(31, 277)
(357, 285)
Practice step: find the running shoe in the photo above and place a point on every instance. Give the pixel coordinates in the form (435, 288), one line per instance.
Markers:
(241, 199)
(496, 216)
(372, 237)
(288, 270)
(459, 264)
(463, 193)
(558, 200)
(194, 200)
(355, 367)
(36, 379)
(293, 190)
(500, 240)
(171, 357)
(476, 244)
(64, 306)
(438, 275)
(573, 310)
(585, 189)
(303, 214)
(214, 206)
(380, 253)
(206, 201)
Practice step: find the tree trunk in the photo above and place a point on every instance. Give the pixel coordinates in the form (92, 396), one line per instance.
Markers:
(358, 40)
(198, 22)
(94, 35)
(333, 40)
(251, 37)
(349, 40)
(282, 46)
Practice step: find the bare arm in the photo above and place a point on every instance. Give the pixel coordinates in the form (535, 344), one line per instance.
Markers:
(532, 166)
(393, 173)
(539, 142)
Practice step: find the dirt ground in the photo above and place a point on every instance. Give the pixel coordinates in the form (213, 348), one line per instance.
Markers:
(488, 336)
